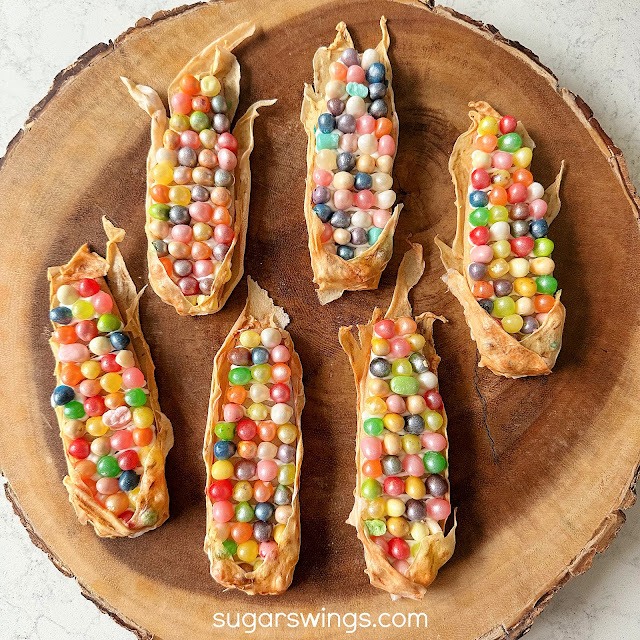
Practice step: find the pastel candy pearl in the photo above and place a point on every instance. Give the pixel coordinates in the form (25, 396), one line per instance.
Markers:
(386, 146)
(232, 412)
(182, 233)
(281, 413)
(202, 268)
(502, 160)
(342, 199)
(227, 159)
(117, 418)
(322, 177)
(125, 359)
(371, 448)
(107, 486)
(335, 89)
(396, 404)
(349, 142)
(222, 511)
(355, 73)
(267, 450)
(537, 209)
(429, 380)
(369, 57)
(433, 441)
(499, 231)
(364, 199)
(200, 211)
(385, 199)
(268, 550)
(259, 392)
(102, 302)
(381, 217)
(381, 181)
(270, 337)
(480, 159)
(368, 143)
(133, 378)
(401, 566)
(190, 139)
(343, 180)
(413, 465)
(361, 219)
(438, 509)
(400, 348)
(355, 106)
(482, 253)
(267, 470)
(73, 353)
(535, 191)
(365, 124)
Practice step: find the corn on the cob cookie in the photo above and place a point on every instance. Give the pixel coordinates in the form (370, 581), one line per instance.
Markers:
(199, 179)
(402, 493)
(352, 126)
(500, 266)
(115, 437)
(253, 452)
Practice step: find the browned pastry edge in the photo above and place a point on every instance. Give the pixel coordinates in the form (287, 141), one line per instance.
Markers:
(217, 60)
(435, 549)
(113, 277)
(275, 574)
(333, 274)
(499, 351)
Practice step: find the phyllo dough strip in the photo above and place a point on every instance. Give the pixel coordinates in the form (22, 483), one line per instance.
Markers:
(199, 179)
(253, 452)
(402, 492)
(114, 434)
(499, 265)
(350, 118)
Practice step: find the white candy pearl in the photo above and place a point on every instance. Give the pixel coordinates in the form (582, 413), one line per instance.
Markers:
(343, 180)
(381, 181)
(283, 513)
(259, 392)
(267, 450)
(67, 294)
(368, 143)
(361, 219)
(525, 306)
(519, 267)
(355, 106)
(281, 413)
(480, 160)
(342, 236)
(100, 346)
(499, 231)
(385, 163)
(428, 380)
(335, 89)
(385, 199)
(535, 191)
(125, 359)
(270, 338)
(369, 57)
(167, 155)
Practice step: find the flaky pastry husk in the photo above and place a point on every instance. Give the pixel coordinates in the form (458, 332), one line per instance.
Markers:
(275, 574)
(499, 351)
(332, 274)
(436, 548)
(215, 59)
(113, 277)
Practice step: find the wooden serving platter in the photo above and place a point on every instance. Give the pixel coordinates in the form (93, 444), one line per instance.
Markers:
(540, 468)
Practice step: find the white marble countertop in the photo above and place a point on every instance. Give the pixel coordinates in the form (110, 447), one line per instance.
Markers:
(591, 45)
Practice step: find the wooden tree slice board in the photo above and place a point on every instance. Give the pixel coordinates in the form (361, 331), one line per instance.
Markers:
(540, 468)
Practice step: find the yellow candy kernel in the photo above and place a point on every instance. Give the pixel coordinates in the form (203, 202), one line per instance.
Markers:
(162, 173)
(519, 267)
(96, 427)
(377, 508)
(501, 249)
(393, 422)
(522, 157)
(91, 369)
(287, 433)
(209, 86)
(415, 488)
(278, 530)
(395, 507)
(419, 530)
(416, 341)
(375, 405)
(525, 287)
(180, 195)
(488, 125)
(250, 339)
(111, 382)
(221, 469)
(380, 346)
(143, 417)
(247, 551)
(398, 527)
